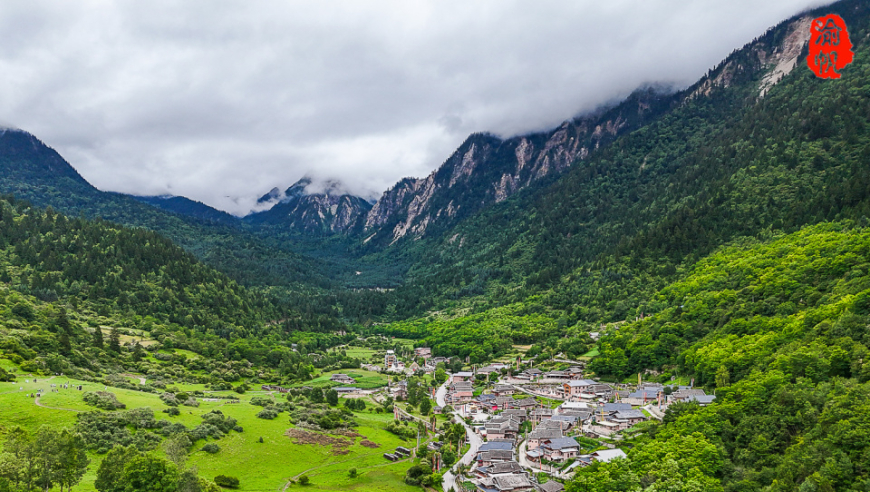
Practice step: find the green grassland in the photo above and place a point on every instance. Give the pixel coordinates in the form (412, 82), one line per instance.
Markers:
(363, 353)
(269, 465)
(364, 379)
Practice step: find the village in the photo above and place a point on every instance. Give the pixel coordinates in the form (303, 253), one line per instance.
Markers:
(529, 429)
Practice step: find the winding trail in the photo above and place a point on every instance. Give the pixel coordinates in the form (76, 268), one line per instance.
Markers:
(38, 404)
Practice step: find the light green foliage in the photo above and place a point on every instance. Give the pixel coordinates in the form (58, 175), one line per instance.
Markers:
(47, 459)
(150, 474)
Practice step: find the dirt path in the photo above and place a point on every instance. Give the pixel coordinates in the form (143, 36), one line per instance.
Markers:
(54, 408)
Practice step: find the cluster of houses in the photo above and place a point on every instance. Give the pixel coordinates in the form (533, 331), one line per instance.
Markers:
(665, 395)
(550, 434)
(392, 363)
(500, 469)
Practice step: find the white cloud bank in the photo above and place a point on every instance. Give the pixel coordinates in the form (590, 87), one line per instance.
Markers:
(220, 101)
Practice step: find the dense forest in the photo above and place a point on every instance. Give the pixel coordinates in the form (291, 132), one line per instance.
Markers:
(64, 282)
(778, 328)
(596, 244)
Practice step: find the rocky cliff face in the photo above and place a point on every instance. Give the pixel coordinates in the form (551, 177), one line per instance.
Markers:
(486, 169)
(326, 210)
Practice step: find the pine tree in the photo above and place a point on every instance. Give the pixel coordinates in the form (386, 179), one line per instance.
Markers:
(115, 341)
(98, 338)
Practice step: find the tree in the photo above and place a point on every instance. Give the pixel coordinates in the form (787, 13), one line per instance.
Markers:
(723, 377)
(150, 474)
(176, 448)
(98, 338)
(73, 459)
(46, 442)
(316, 395)
(21, 467)
(440, 375)
(304, 480)
(425, 406)
(332, 397)
(111, 472)
(352, 473)
(114, 340)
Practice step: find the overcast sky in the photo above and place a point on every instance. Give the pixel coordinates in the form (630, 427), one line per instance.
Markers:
(221, 101)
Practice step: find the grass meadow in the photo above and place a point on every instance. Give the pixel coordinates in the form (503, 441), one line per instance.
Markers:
(266, 466)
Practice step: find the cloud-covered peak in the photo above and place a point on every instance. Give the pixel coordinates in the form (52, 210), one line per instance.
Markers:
(219, 102)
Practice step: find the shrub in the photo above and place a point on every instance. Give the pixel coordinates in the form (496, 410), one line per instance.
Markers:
(227, 482)
(169, 399)
(211, 448)
(190, 402)
(261, 401)
(103, 399)
(267, 413)
(172, 411)
(304, 480)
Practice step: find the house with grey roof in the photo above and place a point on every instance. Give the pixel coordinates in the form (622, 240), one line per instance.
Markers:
(502, 468)
(558, 449)
(702, 400)
(502, 428)
(538, 436)
(568, 420)
(489, 457)
(503, 390)
(526, 403)
(518, 414)
(609, 408)
(493, 445)
(462, 377)
(512, 483)
(551, 486)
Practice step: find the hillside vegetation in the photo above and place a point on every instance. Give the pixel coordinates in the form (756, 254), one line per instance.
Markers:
(778, 327)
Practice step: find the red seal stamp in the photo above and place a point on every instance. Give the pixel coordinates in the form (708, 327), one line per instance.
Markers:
(830, 48)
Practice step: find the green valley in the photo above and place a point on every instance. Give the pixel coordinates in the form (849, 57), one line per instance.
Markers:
(669, 293)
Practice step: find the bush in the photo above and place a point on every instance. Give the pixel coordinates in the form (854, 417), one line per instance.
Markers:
(227, 482)
(103, 399)
(211, 448)
(169, 399)
(304, 480)
(172, 411)
(267, 413)
(261, 401)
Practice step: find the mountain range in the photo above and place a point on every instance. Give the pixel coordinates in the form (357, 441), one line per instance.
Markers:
(718, 236)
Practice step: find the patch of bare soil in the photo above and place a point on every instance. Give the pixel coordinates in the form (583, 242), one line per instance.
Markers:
(369, 444)
(347, 433)
(339, 445)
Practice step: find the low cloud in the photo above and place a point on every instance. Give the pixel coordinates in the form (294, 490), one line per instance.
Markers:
(222, 101)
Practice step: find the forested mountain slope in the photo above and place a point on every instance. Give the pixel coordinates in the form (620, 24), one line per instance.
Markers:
(61, 279)
(726, 163)
(486, 169)
(31, 170)
(113, 268)
(778, 328)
